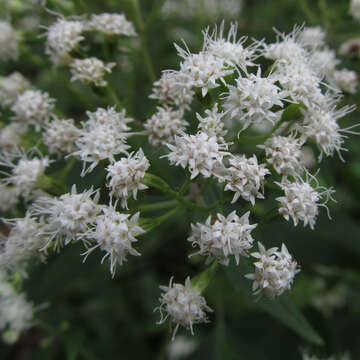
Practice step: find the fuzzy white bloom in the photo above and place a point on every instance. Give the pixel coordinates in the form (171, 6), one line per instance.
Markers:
(245, 177)
(355, 9)
(69, 215)
(284, 154)
(62, 37)
(346, 80)
(229, 48)
(11, 86)
(126, 175)
(114, 233)
(90, 70)
(111, 24)
(203, 70)
(16, 313)
(9, 197)
(180, 348)
(173, 89)
(301, 201)
(213, 123)
(183, 304)
(33, 107)
(312, 37)
(9, 42)
(222, 237)
(164, 125)
(253, 97)
(24, 170)
(320, 124)
(324, 61)
(274, 271)
(201, 153)
(26, 239)
(350, 47)
(10, 135)
(60, 135)
(102, 137)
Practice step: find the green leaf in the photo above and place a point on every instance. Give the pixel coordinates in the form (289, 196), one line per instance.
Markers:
(157, 183)
(73, 343)
(282, 308)
(202, 280)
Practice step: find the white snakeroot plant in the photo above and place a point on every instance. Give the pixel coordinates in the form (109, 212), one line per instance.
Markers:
(33, 107)
(346, 80)
(301, 200)
(312, 37)
(60, 135)
(200, 153)
(9, 42)
(125, 176)
(111, 24)
(115, 234)
(90, 70)
(69, 215)
(253, 98)
(284, 154)
(164, 125)
(10, 135)
(324, 61)
(9, 197)
(213, 123)
(11, 86)
(245, 177)
(274, 271)
(221, 237)
(63, 36)
(183, 304)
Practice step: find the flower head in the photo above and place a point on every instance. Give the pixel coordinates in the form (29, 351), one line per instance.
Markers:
(12, 86)
(111, 24)
(9, 42)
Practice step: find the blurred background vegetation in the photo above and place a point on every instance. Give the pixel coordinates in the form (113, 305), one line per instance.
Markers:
(85, 314)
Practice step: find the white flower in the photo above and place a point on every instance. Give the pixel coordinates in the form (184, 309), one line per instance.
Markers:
(33, 107)
(69, 215)
(60, 135)
(253, 98)
(26, 239)
(350, 47)
(114, 233)
(213, 124)
(10, 135)
(312, 37)
(102, 137)
(126, 175)
(203, 70)
(230, 49)
(111, 24)
(183, 304)
(201, 153)
(245, 177)
(284, 154)
(173, 88)
(180, 348)
(164, 125)
(11, 86)
(62, 37)
(355, 9)
(9, 42)
(320, 124)
(324, 61)
(222, 237)
(301, 201)
(274, 271)
(345, 79)
(9, 197)
(24, 172)
(90, 70)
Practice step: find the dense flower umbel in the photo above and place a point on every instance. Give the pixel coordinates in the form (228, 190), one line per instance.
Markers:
(90, 70)
(10, 135)
(69, 215)
(9, 42)
(213, 123)
(274, 271)
(183, 304)
(126, 175)
(201, 153)
(11, 86)
(33, 107)
(222, 237)
(312, 37)
(345, 79)
(111, 24)
(301, 201)
(114, 233)
(245, 177)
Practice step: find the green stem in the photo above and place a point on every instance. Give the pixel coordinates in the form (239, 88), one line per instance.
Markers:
(154, 12)
(111, 94)
(310, 17)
